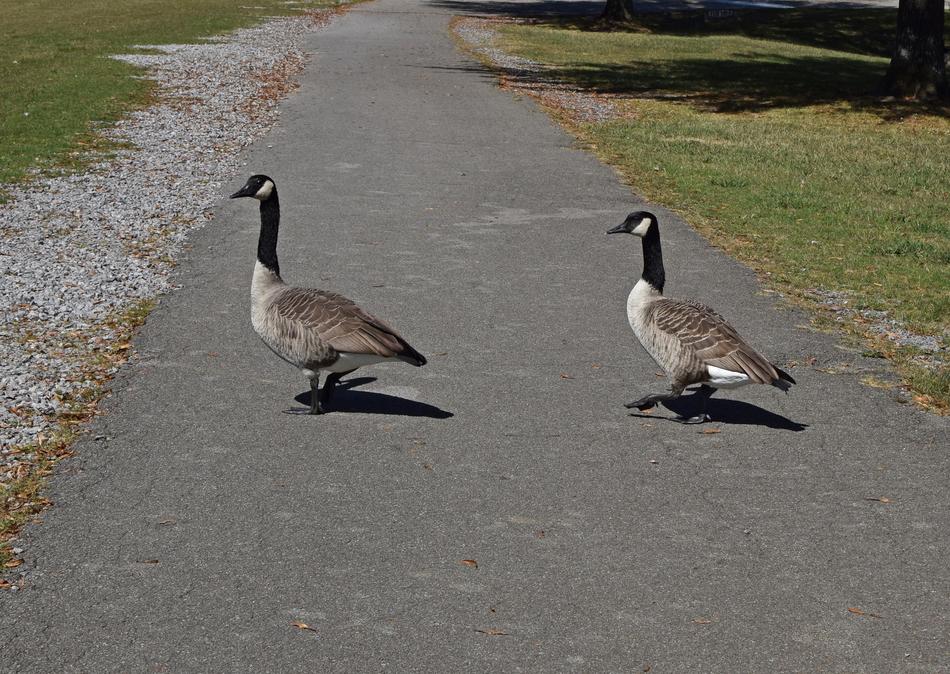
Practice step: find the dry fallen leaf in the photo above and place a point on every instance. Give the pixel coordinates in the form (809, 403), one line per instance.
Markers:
(564, 375)
(702, 621)
(213, 354)
(5, 584)
(13, 563)
(710, 431)
(540, 534)
(493, 632)
(882, 499)
(856, 611)
(470, 562)
(303, 626)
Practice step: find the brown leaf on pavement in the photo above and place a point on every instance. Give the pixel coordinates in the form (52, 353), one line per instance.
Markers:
(493, 632)
(702, 621)
(710, 431)
(303, 626)
(881, 499)
(470, 562)
(856, 611)
(13, 563)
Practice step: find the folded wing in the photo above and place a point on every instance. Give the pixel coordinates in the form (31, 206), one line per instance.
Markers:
(715, 342)
(341, 324)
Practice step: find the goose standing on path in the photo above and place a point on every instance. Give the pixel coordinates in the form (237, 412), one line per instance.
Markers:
(312, 329)
(691, 342)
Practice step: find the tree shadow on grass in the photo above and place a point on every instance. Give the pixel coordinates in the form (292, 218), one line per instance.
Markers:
(756, 79)
(368, 402)
(747, 82)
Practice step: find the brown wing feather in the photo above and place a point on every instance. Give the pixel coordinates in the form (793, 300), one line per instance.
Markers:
(338, 322)
(715, 342)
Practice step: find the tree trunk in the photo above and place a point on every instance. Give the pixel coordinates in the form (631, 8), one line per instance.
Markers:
(918, 67)
(619, 11)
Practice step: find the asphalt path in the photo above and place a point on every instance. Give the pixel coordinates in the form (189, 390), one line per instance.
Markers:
(809, 533)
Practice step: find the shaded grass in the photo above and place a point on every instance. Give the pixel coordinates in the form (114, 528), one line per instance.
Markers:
(58, 80)
(775, 150)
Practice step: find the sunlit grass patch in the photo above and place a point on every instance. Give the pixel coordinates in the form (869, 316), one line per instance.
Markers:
(58, 81)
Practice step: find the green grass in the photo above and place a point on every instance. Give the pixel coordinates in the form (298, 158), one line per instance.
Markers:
(58, 81)
(775, 150)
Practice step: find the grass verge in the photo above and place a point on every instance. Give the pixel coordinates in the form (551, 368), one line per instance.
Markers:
(58, 82)
(762, 132)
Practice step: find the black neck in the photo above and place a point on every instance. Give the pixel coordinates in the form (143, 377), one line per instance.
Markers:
(270, 222)
(653, 258)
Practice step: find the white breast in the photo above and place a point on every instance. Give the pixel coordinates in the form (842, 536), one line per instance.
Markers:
(265, 284)
(638, 299)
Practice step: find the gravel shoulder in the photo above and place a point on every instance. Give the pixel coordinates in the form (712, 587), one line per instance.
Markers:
(79, 251)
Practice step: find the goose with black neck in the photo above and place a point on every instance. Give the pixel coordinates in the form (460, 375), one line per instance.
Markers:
(314, 330)
(690, 341)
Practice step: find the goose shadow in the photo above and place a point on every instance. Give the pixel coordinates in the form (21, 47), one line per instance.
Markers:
(347, 400)
(725, 411)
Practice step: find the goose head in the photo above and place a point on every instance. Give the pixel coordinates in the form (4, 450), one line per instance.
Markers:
(258, 186)
(637, 223)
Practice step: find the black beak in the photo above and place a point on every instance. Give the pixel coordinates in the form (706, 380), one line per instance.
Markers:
(246, 191)
(619, 229)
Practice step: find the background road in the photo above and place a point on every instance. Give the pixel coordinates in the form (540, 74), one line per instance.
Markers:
(207, 522)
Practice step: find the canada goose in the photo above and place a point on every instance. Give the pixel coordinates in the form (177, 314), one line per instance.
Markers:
(312, 329)
(691, 342)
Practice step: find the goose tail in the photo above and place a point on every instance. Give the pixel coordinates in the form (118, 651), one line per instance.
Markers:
(784, 382)
(410, 355)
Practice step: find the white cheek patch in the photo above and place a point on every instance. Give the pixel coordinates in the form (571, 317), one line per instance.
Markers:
(641, 229)
(265, 190)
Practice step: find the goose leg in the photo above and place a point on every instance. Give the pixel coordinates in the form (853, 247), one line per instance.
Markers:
(315, 407)
(330, 385)
(646, 402)
(704, 392)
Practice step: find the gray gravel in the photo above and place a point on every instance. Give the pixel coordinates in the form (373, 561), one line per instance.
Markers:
(77, 249)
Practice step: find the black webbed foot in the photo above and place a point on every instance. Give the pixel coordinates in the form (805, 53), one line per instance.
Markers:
(698, 419)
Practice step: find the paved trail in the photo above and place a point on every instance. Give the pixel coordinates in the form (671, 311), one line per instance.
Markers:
(208, 522)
